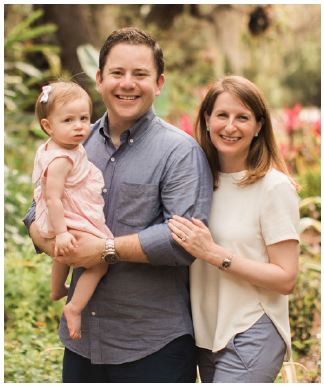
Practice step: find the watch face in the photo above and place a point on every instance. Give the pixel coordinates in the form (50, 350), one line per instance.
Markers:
(226, 263)
(111, 259)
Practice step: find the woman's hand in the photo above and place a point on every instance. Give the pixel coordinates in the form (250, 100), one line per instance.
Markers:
(193, 236)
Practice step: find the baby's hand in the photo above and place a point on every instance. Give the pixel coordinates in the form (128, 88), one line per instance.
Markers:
(65, 243)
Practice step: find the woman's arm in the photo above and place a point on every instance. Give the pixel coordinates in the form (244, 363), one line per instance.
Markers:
(278, 275)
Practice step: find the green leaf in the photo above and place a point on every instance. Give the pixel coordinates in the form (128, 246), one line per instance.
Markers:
(28, 69)
(23, 31)
(88, 58)
(162, 102)
(39, 132)
(43, 48)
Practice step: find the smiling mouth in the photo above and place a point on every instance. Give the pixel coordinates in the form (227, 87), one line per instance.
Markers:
(231, 139)
(128, 98)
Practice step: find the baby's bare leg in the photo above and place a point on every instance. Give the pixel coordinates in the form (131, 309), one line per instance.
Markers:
(59, 275)
(84, 289)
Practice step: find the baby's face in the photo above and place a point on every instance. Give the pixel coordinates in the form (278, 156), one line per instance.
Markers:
(69, 122)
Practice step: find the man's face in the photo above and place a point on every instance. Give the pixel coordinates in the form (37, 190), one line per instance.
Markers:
(128, 84)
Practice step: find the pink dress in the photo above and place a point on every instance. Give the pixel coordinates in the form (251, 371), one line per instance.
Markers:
(82, 200)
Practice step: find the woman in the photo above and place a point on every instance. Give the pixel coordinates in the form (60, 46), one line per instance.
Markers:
(247, 262)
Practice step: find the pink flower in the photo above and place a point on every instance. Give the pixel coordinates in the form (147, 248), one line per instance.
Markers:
(283, 150)
(292, 118)
(317, 128)
(185, 124)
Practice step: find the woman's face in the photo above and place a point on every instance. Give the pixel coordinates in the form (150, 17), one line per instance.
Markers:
(232, 129)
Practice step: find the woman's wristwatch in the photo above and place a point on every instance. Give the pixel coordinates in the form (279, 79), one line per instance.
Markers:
(226, 263)
(109, 254)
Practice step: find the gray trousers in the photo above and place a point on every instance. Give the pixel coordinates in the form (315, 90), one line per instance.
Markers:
(254, 356)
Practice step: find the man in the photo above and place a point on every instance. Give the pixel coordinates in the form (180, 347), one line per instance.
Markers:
(137, 326)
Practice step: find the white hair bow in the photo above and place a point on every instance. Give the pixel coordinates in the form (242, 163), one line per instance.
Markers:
(46, 90)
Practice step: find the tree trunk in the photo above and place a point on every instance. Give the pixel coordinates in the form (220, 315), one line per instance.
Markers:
(75, 27)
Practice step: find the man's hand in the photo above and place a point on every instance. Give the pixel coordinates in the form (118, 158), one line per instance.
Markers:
(87, 254)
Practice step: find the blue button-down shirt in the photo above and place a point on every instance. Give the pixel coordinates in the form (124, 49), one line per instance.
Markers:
(157, 171)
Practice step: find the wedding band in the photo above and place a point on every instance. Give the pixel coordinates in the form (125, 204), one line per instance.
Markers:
(184, 238)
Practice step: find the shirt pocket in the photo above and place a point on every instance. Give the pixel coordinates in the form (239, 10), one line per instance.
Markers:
(138, 204)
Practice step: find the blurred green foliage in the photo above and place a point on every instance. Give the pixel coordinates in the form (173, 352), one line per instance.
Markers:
(310, 182)
(304, 303)
(33, 351)
(21, 87)
(21, 78)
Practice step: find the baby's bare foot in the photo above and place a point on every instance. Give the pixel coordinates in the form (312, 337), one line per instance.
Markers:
(73, 319)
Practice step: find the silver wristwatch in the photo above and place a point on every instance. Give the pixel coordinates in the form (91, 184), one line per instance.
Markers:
(109, 254)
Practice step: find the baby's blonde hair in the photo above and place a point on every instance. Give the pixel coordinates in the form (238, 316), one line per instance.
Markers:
(60, 91)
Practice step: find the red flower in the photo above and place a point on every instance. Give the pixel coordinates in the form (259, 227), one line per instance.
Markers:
(185, 124)
(317, 128)
(292, 118)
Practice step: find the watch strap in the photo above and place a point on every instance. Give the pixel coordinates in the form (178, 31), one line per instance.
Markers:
(109, 253)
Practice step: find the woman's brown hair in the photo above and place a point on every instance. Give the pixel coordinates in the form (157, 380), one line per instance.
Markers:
(263, 153)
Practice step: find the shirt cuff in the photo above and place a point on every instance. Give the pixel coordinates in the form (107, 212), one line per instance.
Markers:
(161, 249)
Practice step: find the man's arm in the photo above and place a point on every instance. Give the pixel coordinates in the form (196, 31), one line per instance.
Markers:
(186, 190)
(130, 249)
(89, 249)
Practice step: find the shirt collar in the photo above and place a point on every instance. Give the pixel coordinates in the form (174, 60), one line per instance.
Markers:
(134, 132)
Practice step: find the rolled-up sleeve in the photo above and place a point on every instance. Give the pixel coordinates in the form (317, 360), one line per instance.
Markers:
(186, 190)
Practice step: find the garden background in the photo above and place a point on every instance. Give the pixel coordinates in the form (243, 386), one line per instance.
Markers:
(276, 46)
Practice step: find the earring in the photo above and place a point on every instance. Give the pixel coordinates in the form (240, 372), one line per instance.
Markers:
(207, 129)
(256, 134)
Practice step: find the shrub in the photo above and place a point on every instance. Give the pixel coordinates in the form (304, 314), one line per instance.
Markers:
(304, 304)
